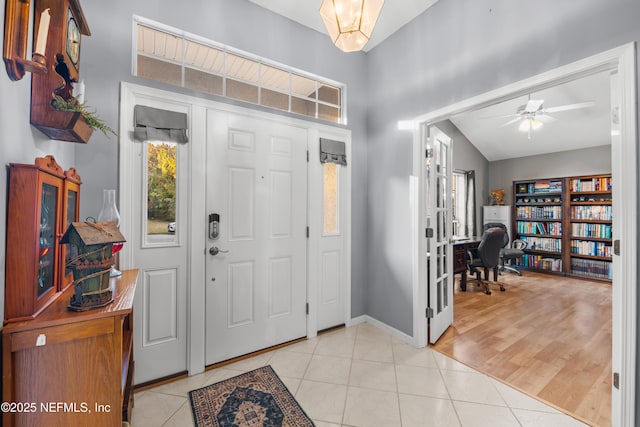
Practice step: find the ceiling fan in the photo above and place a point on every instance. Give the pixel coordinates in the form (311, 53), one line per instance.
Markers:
(533, 114)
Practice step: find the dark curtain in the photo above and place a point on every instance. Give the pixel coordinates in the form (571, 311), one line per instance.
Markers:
(471, 203)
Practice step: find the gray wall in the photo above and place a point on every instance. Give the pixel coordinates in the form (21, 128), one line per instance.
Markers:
(587, 161)
(106, 61)
(455, 50)
(467, 157)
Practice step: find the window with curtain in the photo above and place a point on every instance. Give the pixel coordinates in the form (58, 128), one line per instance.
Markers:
(463, 204)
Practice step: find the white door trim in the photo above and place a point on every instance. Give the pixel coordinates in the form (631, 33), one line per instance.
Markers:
(197, 137)
(624, 166)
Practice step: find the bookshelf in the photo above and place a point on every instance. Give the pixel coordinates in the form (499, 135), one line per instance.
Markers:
(566, 223)
(538, 220)
(589, 226)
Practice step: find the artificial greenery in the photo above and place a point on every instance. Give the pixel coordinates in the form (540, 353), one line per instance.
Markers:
(72, 105)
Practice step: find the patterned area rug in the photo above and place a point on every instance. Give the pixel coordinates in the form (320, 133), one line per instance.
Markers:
(254, 399)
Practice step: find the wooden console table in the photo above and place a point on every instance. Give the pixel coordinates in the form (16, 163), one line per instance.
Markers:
(67, 368)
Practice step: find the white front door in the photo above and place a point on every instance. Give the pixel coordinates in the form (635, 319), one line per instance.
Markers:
(159, 241)
(256, 288)
(439, 247)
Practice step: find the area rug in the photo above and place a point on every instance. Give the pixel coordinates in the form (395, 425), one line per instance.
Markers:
(255, 398)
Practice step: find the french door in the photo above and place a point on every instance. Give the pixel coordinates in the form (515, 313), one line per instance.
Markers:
(438, 173)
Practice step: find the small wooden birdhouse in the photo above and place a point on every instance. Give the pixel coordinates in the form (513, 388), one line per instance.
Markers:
(91, 265)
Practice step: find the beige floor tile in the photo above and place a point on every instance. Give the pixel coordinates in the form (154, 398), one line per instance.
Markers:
(365, 408)
(374, 375)
(405, 354)
(328, 369)
(420, 411)
(323, 424)
(376, 350)
(306, 346)
(322, 401)
(291, 383)
(545, 419)
(421, 381)
(518, 400)
(154, 409)
(449, 364)
(477, 415)
(336, 345)
(220, 374)
(290, 364)
(251, 363)
(182, 418)
(367, 331)
(472, 387)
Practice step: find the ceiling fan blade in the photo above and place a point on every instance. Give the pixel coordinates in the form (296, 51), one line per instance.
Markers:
(517, 119)
(545, 118)
(569, 107)
(533, 105)
(501, 116)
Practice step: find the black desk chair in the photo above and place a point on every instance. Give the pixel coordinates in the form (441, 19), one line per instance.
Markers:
(508, 254)
(487, 257)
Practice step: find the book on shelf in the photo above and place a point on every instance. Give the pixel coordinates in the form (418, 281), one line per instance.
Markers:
(591, 268)
(540, 262)
(597, 213)
(585, 247)
(598, 231)
(591, 184)
(539, 212)
(534, 227)
(542, 243)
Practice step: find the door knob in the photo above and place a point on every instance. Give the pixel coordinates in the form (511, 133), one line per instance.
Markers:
(214, 250)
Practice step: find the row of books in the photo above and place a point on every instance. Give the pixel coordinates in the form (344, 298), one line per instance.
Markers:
(590, 184)
(539, 212)
(601, 213)
(540, 187)
(529, 227)
(540, 262)
(591, 268)
(543, 243)
(584, 247)
(602, 231)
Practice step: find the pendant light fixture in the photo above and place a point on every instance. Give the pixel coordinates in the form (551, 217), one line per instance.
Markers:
(350, 22)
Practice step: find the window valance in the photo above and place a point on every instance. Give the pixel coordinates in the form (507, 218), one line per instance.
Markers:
(333, 152)
(159, 125)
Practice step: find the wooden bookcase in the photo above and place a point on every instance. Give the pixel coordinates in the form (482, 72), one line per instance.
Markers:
(567, 224)
(83, 360)
(589, 222)
(538, 215)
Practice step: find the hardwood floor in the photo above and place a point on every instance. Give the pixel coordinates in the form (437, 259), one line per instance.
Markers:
(548, 336)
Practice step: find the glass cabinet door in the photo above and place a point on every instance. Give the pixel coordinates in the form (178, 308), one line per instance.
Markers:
(71, 215)
(47, 244)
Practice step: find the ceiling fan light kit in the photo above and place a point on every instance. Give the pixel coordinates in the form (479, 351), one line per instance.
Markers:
(350, 22)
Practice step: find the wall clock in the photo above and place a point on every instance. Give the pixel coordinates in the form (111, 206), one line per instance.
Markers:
(73, 40)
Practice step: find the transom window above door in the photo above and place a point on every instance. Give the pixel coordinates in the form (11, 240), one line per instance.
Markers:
(182, 59)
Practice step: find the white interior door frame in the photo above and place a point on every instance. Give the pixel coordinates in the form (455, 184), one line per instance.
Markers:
(198, 225)
(621, 60)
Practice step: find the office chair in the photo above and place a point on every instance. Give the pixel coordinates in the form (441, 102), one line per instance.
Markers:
(516, 250)
(486, 257)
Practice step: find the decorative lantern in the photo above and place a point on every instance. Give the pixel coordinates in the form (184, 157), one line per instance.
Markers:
(350, 22)
(91, 267)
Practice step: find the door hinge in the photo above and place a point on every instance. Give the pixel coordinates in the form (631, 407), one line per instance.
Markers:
(616, 380)
(429, 313)
(307, 156)
(428, 233)
(307, 231)
(616, 247)
(307, 309)
(428, 153)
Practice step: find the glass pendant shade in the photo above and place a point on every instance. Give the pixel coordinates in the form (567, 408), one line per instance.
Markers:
(350, 22)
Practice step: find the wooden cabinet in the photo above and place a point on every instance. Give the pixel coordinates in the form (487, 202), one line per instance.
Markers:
(567, 225)
(43, 199)
(72, 368)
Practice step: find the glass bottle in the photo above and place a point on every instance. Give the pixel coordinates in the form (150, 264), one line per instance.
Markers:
(109, 213)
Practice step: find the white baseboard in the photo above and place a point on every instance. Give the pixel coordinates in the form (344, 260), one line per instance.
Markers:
(383, 327)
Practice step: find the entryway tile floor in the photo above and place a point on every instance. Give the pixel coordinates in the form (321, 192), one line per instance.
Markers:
(363, 377)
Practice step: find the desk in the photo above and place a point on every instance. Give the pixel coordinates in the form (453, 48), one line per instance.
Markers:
(460, 249)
